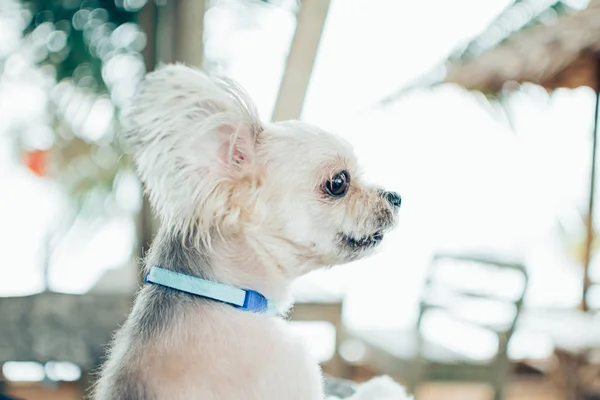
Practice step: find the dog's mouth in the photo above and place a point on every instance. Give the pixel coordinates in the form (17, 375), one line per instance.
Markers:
(365, 242)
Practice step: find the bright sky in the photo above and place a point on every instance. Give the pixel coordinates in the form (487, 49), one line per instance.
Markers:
(467, 180)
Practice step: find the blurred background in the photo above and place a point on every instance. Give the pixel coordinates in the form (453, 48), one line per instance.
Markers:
(482, 114)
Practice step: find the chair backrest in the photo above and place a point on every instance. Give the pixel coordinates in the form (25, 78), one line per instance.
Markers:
(475, 302)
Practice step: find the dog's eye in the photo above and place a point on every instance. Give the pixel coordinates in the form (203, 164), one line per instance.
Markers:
(337, 186)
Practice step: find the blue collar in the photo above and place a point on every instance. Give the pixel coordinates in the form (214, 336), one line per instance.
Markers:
(243, 299)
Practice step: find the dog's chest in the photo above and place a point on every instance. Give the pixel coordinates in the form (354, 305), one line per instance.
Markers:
(248, 358)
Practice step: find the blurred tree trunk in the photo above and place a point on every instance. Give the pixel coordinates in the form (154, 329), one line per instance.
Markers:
(189, 32)
(147, 224)
(174, 32)
(147, 18)
(181, 32)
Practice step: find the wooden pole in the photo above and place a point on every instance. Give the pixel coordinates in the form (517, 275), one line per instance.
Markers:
(589, 244)
(301, 59)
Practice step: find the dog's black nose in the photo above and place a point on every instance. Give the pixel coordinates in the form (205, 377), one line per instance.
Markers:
(393, 198)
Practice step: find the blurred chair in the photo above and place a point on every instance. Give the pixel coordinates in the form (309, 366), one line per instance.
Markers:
(467, 316)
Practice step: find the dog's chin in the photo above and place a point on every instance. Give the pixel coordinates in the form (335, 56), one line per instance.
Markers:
(361, 242)
(357, 246)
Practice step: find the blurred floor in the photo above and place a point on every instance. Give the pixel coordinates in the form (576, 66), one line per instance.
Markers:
(29, 391)
(533, 389)
(519, 389)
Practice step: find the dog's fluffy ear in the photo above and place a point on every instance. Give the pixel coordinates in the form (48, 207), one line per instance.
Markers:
(192, 137)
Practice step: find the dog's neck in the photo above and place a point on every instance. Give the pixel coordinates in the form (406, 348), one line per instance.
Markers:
(235, 262)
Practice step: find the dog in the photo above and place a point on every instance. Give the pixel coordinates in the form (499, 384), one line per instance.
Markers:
(245, 208)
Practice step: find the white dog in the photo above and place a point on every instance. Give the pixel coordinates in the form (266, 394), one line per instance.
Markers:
(245, 208)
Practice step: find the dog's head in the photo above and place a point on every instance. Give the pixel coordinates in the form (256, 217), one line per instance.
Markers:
(213, 170)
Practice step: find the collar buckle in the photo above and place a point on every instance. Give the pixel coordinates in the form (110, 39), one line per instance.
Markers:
(254, 302)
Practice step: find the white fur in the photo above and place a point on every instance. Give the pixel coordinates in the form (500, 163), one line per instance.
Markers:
(381, 388)
(246, 202)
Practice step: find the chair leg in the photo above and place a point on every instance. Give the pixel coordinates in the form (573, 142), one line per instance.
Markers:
(416, 376)
(500, 382)
(502, 379)
(499, 392)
